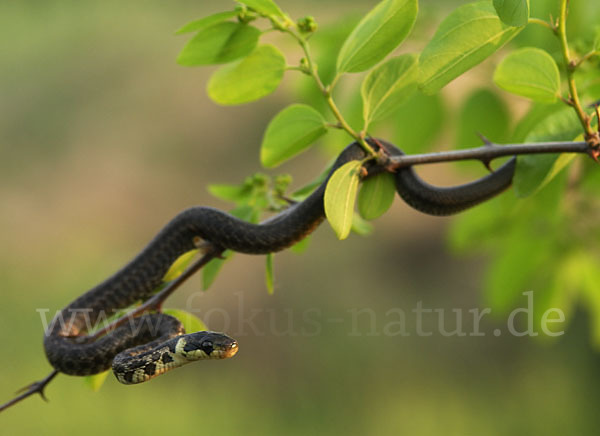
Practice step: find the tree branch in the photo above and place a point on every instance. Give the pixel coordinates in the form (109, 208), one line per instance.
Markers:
(486, 153)
(34, 388)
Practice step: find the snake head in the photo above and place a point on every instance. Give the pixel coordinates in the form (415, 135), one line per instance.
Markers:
(206, 345)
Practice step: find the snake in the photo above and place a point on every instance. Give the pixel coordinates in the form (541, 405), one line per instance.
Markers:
(155, 343)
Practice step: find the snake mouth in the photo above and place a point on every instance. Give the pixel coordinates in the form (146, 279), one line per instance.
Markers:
(226, 350)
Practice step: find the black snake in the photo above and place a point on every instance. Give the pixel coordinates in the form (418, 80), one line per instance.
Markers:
(153, 344)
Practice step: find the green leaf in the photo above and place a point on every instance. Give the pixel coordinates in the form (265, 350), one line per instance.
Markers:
(211, 269)
(513, 12)
(569, 280)
(179, 265)
(597, 39)
(377, 35)
(563, 125)
(418, 122)
(234, 193)
(526, 248)
(340, 195)
(591, 294)
(534, 171)
(301, 246)
(290, 132)
(529, 72)
(269, 273)
(196, 25)
(482, 112)
(514, 270)
(536, 114)
(376, 195)
(475, 229)
(95, 382)
(464, 39)
(249, 79)
(252, 191)
(219, 44)
(360, 226)
(388, 86)
(190, 322)
(265, 7)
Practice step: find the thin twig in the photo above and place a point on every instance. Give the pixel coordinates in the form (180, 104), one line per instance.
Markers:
(542, 23)
(571, 66)
(587, 57)
(34, 388)
(488, 152)
(311, 69)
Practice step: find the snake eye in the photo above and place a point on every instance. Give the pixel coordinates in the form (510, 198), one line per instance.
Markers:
(207, 347)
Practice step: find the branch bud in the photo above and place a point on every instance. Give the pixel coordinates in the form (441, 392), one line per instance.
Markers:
(307, 24)
(244, 14)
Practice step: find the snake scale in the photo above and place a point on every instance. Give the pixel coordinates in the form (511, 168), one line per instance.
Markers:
(155, 343)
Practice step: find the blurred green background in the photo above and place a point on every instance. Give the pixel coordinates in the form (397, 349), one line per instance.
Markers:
(104, 138)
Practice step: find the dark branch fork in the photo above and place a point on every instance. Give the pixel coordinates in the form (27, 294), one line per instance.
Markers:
(485, 154)
(34, 388)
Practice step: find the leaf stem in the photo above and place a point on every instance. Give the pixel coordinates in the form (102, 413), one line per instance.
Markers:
(296, 68)
(311, 69)
(344, 125)
(570, 67)
(586, 57)
(542, 23)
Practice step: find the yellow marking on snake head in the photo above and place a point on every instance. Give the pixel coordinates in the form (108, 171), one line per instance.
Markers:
(179, 347)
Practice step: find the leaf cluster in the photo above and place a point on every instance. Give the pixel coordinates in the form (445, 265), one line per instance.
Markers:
(403, 92)
(544, 242)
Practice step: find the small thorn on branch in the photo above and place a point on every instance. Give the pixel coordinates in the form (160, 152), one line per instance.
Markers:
(34, 388)
(567, 101)
(488, 164)
(290, 201)
(485, 140)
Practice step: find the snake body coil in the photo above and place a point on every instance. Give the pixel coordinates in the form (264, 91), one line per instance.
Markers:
(153, 344)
